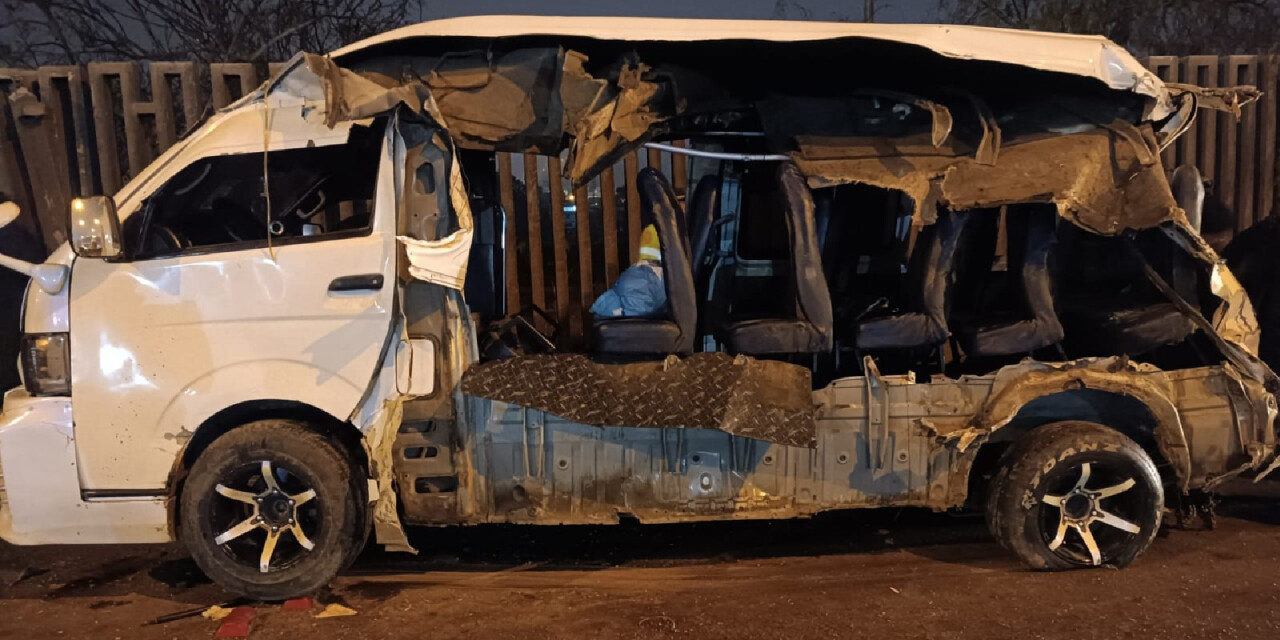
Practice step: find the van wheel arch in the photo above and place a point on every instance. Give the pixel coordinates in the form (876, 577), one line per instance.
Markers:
(344, 433)
(1126, 413)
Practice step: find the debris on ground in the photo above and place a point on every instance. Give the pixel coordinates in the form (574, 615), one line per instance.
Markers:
(216, 613)
(297, 604)
(335, 610)
(236, 624)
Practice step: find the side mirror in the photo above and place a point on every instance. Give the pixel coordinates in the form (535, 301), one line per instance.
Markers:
(95, 229)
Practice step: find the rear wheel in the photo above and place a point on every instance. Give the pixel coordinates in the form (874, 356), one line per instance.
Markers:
(273, 510)
(1076, 494)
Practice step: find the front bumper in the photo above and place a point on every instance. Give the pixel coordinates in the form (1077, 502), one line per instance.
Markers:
(42, 502)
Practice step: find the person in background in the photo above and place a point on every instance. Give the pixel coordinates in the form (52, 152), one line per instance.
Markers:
(639, 291)
(15, 242)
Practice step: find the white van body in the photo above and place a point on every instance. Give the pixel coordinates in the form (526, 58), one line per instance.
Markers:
(163, 347)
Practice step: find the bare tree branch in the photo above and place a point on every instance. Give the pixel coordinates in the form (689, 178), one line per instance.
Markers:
(35, 32)
(1172, 27)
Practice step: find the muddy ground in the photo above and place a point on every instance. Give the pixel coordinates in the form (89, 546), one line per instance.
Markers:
(883, 575)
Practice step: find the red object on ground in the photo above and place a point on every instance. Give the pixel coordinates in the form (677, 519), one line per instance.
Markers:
(236, 625)
(297, 604)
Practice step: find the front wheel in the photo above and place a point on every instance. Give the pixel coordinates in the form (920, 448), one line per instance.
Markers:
(1076, 494)
(272, 510)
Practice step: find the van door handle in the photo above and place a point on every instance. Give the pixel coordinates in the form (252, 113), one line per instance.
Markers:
(366, 282)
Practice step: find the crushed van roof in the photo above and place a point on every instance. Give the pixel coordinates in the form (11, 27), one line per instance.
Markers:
(1082, 55)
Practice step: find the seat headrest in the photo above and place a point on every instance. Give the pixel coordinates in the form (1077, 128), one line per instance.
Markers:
(1188, 192)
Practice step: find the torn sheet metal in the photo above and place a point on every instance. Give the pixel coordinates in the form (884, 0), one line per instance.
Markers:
(1016, 385)
(526, 100)
(540, 98)
(378, 442)
(759, 399)
(435, 225)
(1106, 180)
(351, 96)
(1225, 99)
(378, 417)
(503, 100)
(1234, 328)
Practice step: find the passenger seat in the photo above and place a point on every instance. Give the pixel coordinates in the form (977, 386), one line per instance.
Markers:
(1033, 323)
(810, 330)
(658, 336)
(922, 321)
(1137, 318)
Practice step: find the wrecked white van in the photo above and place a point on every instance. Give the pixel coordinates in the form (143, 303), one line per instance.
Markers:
(931, 266)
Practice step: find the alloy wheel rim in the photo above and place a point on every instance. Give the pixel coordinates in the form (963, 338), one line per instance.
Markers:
(1078, 517)
(258, 507)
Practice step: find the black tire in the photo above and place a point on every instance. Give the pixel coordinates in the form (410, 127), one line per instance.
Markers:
(1076, 494)
(334, 520)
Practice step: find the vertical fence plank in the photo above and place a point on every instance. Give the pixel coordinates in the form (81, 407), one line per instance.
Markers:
(244, 72)
(1203, 71)
(609, 215)
(559, 244)
(506, 194)
(1188, 145)
(13, 180)
(586, 281)
(110, 174)
(1246, 171)
(1166, 68)
(631, 166)
(162, 107)
(1228, 142)
(538, 290)
(52, 78)
(1270, 82)
(654, 159)
(38, 125)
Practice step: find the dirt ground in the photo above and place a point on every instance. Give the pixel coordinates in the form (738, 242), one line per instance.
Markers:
(883, 575)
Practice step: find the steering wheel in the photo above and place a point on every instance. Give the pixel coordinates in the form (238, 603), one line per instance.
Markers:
(195, 181)
(162, 240)
(238, 222)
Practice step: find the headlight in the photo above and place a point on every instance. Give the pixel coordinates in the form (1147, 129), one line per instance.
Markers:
(46, 364)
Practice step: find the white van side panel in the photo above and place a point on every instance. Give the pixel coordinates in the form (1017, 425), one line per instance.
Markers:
(161, 345)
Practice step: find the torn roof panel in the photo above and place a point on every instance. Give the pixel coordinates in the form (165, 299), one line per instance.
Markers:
(1089, 56)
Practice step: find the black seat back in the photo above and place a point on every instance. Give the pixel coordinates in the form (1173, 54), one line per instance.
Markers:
(1032, 235)
(658, 202)
(486, 284)
(931, 268)
(813, 298)
(704, 209)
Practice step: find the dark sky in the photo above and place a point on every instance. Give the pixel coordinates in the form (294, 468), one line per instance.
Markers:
(890, 11)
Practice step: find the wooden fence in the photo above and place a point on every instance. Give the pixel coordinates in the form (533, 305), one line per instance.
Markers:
(1238, 158)
(81, 130)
